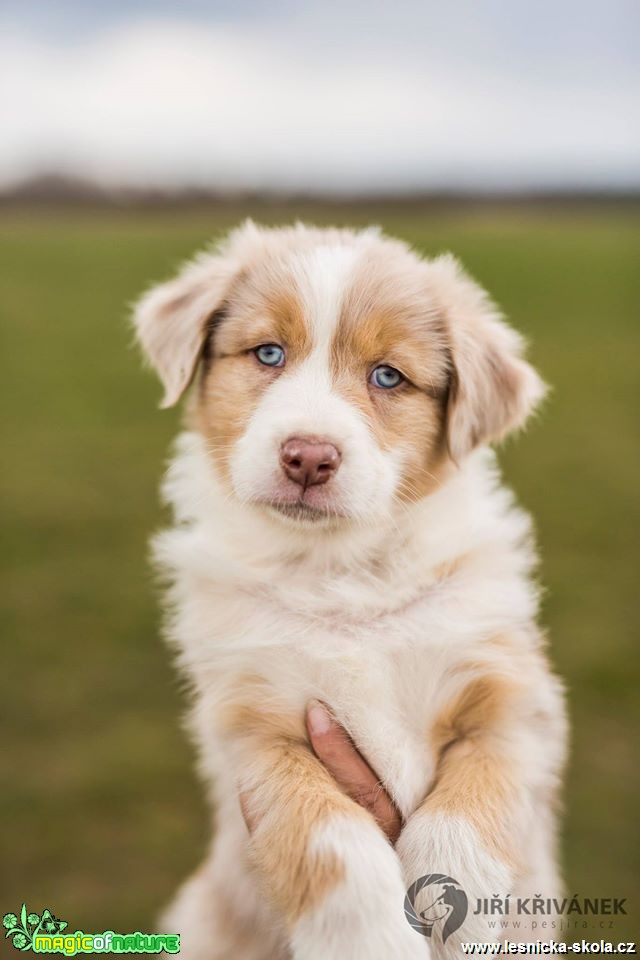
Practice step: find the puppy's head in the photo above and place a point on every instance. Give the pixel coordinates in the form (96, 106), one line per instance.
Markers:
(339, 372)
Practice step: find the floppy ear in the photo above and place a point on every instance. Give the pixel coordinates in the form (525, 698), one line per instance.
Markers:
(171, 319)
(493, 390)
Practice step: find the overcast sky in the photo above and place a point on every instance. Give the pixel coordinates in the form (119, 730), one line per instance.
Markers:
(323, 95)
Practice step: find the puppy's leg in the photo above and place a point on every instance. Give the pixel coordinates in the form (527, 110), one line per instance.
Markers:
(540, 878)
(218, 911)
(322, 861)
(496, 779)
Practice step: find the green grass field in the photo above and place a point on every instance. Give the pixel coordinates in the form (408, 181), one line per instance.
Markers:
(101, 812)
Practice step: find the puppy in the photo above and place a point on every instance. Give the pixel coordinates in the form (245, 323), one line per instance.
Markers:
(341, 534)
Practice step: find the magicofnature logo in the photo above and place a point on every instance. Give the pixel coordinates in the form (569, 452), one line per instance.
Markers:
(44, 933)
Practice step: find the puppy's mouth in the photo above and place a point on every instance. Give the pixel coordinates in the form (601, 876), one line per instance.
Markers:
(301, 511)
(318, 504)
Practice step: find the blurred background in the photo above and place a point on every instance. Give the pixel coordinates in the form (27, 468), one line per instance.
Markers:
(132, 133)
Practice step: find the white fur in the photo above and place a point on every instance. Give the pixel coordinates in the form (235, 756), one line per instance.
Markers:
(304, 404)
(363, 918)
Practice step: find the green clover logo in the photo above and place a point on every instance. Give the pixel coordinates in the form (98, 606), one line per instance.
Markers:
(22, 930)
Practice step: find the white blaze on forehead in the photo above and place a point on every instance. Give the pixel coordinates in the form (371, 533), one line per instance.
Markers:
(322, 276)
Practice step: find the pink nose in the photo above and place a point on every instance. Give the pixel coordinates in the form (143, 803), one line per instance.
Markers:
(308, 461)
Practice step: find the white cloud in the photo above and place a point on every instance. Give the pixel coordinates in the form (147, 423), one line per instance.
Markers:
(258, 105)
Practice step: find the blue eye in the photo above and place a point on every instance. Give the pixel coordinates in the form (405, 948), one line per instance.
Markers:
(386, 377)
(270, 354)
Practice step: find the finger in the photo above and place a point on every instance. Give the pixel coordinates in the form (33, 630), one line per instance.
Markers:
(335, 749)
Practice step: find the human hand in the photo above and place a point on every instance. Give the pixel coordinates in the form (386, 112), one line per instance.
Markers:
(336, 751)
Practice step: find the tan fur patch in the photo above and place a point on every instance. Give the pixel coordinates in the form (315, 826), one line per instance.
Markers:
(296, 795)
(386, 320)
(263, 309)
(474, 782)
(475, 710)
(473, 779)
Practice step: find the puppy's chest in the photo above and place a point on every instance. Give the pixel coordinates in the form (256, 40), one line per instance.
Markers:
(388, 700)
(387, 697)
(384, 678)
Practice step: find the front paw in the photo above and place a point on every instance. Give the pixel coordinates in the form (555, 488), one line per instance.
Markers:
(362, 917)
(448, 871)
(345, 935)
